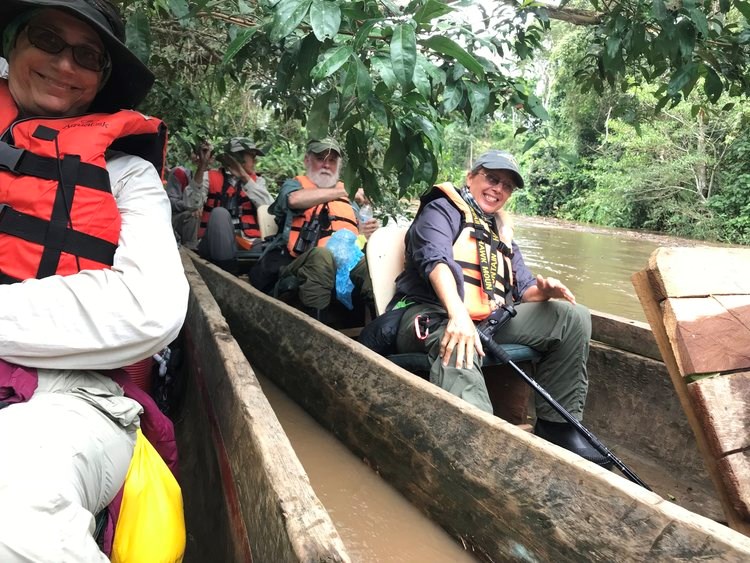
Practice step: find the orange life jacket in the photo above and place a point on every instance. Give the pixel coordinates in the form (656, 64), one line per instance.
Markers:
(333, 216)
(221, 193)
(57, 211)
(483, 253)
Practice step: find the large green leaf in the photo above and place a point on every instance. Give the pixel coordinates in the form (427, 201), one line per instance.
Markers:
(242, 39)
(452, 96)
(179, 9)
(363, 33)
(288, 14)
(395, 155)
(445, 46)
(479, 96)
(712, 85)
(430, 10)
(683, 79)
(428, 128)
(319, 116)
(383, 67)
(325, 18)
(421, 79)
(331, 61)
(138, 33)
(364, 81)
(743, 7)
(403, 54)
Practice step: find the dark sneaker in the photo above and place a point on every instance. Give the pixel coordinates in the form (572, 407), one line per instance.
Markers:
(566, 436)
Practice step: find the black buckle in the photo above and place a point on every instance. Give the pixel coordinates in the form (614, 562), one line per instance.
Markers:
(9, 156)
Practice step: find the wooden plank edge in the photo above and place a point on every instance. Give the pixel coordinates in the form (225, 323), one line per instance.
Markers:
(290, 523)
(624, 334)
(643, 283)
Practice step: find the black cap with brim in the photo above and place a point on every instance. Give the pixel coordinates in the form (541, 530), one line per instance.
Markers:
(499, 160)
(130, 79)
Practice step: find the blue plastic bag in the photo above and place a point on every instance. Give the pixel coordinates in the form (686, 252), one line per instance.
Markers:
(346, 254)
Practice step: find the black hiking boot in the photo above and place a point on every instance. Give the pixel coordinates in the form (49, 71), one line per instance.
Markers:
(566, 436)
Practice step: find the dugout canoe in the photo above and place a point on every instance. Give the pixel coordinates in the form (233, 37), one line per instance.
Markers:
(505, 494)
(246, 495)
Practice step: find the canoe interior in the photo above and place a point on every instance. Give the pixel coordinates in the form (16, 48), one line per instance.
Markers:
(247, 497)
(504, 493)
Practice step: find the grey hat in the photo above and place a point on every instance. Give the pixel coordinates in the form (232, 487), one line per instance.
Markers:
(129, 81)
(324, 145)
(498, 160)
(242, 144)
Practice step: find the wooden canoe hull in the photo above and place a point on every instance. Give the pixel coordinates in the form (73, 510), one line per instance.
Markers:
(247, 497)
(506, 494)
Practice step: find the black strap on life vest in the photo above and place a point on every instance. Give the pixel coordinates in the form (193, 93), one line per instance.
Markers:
(488, 261)
(25, 163)
(57, 235)
(34, 229)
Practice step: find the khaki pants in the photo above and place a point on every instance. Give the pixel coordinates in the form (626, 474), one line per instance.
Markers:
(64, 456)
(557, 329)
(312, 275)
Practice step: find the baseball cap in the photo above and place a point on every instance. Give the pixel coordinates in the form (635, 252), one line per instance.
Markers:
(499, 160)
(242, 144)
(325, 144)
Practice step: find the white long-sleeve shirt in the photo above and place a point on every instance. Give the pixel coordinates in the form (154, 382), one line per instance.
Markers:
(102, 319)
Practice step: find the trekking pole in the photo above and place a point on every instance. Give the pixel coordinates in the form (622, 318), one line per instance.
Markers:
(496, 350)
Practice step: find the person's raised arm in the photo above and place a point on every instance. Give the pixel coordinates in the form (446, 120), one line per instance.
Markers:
(305, 199)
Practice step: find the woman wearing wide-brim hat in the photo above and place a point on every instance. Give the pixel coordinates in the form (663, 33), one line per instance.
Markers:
(90, 278)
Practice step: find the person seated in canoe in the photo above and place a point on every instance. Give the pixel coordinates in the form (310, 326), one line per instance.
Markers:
(187, 204)
(230, 198)
(91, 276)
(461, 264)
(298, 266)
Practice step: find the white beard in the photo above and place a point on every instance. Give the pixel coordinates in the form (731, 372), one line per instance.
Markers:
(324, 179)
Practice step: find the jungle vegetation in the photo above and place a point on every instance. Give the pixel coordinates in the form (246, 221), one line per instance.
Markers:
(625, 113)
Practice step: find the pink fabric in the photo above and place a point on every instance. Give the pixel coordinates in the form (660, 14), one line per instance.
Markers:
(17, 383)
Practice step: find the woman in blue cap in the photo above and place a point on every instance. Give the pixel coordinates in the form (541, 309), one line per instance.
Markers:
(461, 264)
(90, 278)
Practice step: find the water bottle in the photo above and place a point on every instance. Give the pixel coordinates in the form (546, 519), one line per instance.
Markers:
(365, 213)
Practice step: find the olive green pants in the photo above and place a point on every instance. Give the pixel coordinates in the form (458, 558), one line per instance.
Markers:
(313, 276)
(557, 329)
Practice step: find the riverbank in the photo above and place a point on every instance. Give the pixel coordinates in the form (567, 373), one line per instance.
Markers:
(650, 236)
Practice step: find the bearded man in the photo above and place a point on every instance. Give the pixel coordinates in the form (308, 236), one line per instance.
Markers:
(297, 266)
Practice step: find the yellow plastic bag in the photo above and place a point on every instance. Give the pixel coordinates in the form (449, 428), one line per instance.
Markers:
(151, 524)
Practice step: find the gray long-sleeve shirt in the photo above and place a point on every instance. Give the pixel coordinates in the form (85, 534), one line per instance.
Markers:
(429, 242)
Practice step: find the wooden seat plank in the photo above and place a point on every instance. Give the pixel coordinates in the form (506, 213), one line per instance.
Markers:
(709, 334)
(681, 272)
(723, 404)
(702, 325)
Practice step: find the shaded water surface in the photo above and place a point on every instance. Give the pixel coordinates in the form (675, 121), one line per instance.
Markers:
(375, 522)
(595, 264)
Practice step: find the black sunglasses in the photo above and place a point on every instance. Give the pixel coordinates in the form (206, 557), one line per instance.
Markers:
(495, 181)
(50, 42)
